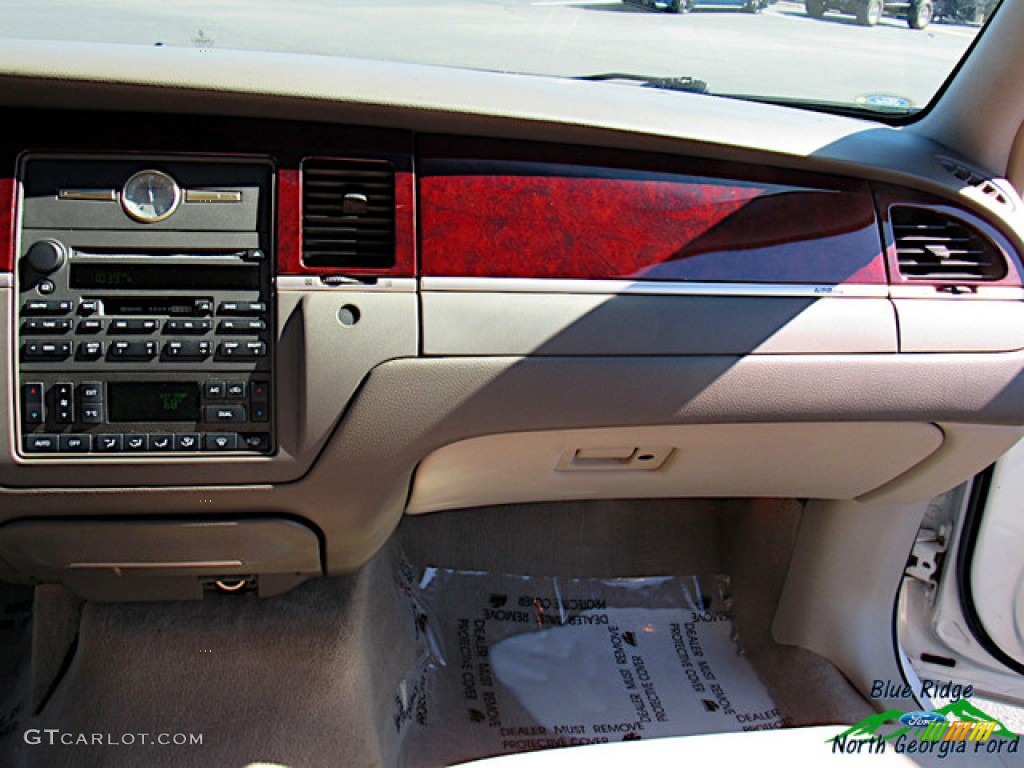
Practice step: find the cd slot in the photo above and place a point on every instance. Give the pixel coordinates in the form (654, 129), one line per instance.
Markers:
(178, 306)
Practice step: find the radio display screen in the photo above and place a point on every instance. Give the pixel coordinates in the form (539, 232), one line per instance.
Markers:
(176, 277)
(152, 401)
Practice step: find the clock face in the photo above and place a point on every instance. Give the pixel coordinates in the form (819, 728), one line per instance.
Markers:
(150, 196)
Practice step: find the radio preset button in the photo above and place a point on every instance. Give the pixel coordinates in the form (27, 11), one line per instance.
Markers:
(242, 349)
(225, 414)
(46, 325)
(186, 442)
(134, 350)
(188, 350)
(46, 350)
(90, 326)
(221, 441)
(46, 307)
(188, 327)
(41, 443)
(75, 443)
(109, 443)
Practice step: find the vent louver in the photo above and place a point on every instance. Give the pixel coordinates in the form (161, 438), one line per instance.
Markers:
(348, 213)
(934, 246)
(984, 185)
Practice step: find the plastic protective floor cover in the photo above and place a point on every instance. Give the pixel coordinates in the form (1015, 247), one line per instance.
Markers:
(517, 663)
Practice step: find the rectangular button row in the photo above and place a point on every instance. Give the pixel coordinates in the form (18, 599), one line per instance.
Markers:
(142, 350)
(37, 326)
(147, 442)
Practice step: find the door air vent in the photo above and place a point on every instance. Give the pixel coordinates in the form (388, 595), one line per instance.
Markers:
(348, 213)
(974, 179)
(935, 246)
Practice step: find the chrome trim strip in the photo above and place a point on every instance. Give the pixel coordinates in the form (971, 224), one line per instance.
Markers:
(6, 280)
(101, 195)
(979, 293)
(212, 196)
(169, 564)
(558, 285)
(314, 283)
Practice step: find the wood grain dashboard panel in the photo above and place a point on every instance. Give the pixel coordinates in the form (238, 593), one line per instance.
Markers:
(543, 218)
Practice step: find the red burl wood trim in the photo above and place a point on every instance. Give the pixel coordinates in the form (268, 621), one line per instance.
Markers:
(7, 206)
(888, 196)
(289, 229)
(289, 222)
(558, 222)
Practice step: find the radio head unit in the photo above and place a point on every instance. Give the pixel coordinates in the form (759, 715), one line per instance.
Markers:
(145, 311)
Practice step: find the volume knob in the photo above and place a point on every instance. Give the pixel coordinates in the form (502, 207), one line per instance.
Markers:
(45, 257)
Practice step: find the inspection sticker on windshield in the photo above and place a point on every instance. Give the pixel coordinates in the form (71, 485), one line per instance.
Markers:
(516, 663)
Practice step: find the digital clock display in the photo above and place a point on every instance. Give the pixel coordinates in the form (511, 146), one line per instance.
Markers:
(152, 401)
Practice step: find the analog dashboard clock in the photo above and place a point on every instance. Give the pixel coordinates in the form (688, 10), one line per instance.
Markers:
(150, 196)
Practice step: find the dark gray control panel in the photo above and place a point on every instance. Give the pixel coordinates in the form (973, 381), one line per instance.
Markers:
(145, 310)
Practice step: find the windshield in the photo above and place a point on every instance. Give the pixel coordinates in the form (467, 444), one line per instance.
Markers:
(869, 54)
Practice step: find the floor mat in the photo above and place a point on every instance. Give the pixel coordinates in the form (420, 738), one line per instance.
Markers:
(15, 651)
(516, 663)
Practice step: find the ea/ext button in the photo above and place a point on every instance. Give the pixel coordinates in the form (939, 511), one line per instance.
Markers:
(224, 414)
(41, 443)
(235, 390)
(91, 391)
(221, 441)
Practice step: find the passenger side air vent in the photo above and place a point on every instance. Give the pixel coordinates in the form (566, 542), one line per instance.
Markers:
(348, 213)
(935, 246)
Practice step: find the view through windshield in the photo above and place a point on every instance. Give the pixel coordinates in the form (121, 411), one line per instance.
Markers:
(873, 54)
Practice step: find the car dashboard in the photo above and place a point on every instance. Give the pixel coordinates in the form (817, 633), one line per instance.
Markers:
(330, 324)
(263, 313)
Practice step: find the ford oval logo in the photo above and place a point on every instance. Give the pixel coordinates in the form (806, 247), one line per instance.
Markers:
(921, 719)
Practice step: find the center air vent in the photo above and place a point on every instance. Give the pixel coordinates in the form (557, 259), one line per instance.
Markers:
(348, 214)
(935, 246)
